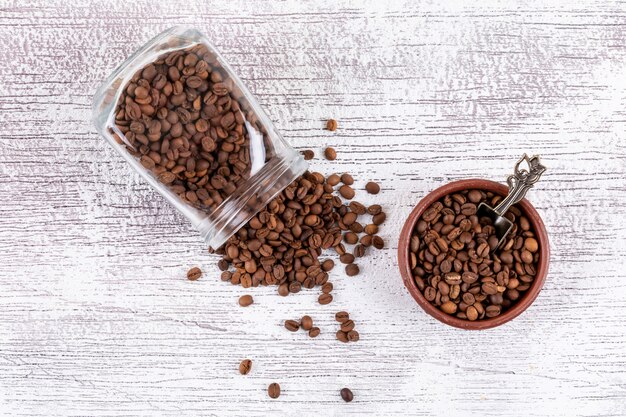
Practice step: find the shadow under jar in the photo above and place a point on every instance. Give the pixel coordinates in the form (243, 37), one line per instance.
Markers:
(450, 264)
(180, 116)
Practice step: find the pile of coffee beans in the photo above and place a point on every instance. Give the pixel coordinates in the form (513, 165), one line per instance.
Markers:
(457, 264)
(346, 332)
(184, 118)
(282, 244)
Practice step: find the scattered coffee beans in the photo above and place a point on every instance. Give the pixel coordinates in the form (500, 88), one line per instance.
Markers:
(245, 300)
(330, 154)
(245, 366)
(346, 332)
(347, 395)
(457, 265)
(331, 125)
(273, 390)
(194, 273)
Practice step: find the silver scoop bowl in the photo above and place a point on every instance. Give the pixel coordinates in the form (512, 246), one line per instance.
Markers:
(519, 183)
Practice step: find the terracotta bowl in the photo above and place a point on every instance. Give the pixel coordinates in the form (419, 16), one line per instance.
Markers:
(527, 298)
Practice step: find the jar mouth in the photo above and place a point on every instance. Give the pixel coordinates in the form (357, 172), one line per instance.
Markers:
(258, 191)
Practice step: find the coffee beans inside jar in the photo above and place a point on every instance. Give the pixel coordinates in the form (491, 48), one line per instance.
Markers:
(457, 265)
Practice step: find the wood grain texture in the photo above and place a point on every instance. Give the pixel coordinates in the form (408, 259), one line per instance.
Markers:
(97, 318)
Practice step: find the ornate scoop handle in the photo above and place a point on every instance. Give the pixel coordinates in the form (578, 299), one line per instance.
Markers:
(521, 181)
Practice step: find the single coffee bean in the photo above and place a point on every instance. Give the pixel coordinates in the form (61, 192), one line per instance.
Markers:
(342, 316)
(245, 366)
(359, 251)
(531, 245)
(331, 125)
(352, 270)
(325, 299)
(374, 209)
(328, 264)
(314, 332)
(306, 323)
(351, 238)
(379, 218)
(327, 288)
(330, 154)
(347, 179)
(292, 325)
(346, 192)
(372, 188)
(333, 179)
(371, 229)
(347, 325)
(378, 242)
(342, 336)
(449, 307)
(273, 390)
(346, 395)
(307, 154)
(194, 273)
(346, 258)
(353, 336)
(245, 300)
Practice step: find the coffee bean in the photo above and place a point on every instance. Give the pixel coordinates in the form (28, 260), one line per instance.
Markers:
(327, 265)
(330, 154)
(359, 251)
(449, 307)
(245, 366)
(371, 229)
(346, 258)
(379, 218)
(342, 336)
(352, 270)
(194, 273)
(325, 299)
(331, 125)
(333, 179)
(346, 395)
(471, 313)
(374, 209)
(292, 325)
(307, 154)
(327, 288)
(378, 242)
(347, 325)
(353, 336)
(372, 188)
(346, 192)
(306, 323)
(347, 179)
(351, 238)
(366, 240)
(531, 245)
(245, 300)
(314, 332)
(357, 208)
(273, 390)
(342, 316)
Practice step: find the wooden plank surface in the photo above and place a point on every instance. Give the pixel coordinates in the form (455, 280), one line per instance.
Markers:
(97, 318)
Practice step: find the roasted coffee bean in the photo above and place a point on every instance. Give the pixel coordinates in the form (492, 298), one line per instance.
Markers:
(245, 366)
(347, 179)
(379, 218)
(292, 325)
(353, 336)
(306, 323)
(346, 258)
(314, 332)
(194, 273)
(359, 251)
(325, 299)
(245, 300)
(457, 265)
(327, 288)
(374, 209)
(327, 265)
(347, 325)
(352, 270)
(346, 395)
(371, 229)
(346, 192)
(378, 242)
(307, 154)
(273, 390)
(342, 316)
(342, 336)
(330, 154)
(331, 125)
(351, 238)
(372, 188)
(333, 179)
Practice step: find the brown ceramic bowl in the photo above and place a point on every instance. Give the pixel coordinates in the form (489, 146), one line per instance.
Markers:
(522, 304)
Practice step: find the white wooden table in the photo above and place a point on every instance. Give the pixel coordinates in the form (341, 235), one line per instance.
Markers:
(97, 318)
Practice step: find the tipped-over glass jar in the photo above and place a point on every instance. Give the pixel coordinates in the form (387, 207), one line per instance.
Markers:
(181, 118)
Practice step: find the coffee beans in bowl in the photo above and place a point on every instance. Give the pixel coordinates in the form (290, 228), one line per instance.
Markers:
(451, 264)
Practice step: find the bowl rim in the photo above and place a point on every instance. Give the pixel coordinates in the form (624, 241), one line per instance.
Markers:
(522, 304)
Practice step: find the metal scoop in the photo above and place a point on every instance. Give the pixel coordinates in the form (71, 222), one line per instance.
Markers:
(520, 182)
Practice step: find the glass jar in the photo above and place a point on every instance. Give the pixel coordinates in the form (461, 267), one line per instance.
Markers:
(179, 115)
